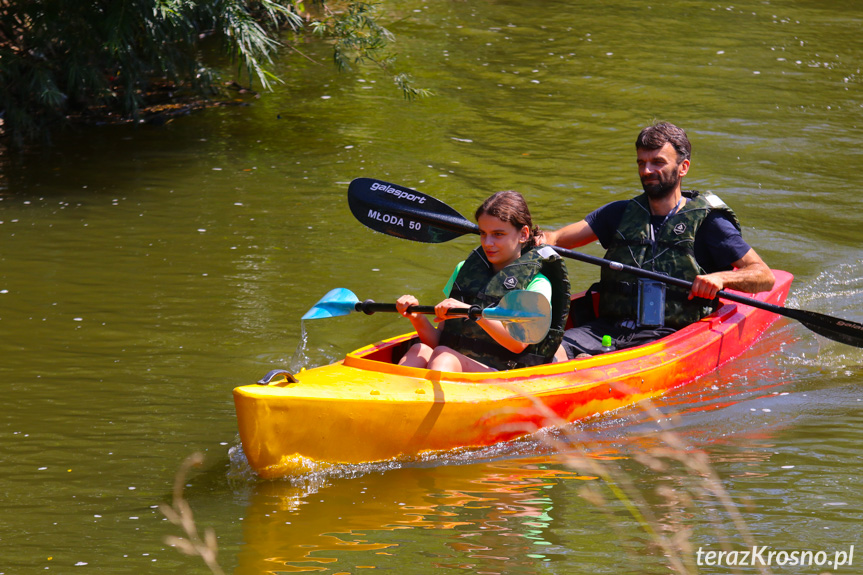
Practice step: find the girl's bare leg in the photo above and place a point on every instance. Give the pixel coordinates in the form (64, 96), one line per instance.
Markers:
(444, 358)
(417, 356)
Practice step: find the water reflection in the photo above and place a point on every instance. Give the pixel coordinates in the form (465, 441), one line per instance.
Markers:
(495, 516)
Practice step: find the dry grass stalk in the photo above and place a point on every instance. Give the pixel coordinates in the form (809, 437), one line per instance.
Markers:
(180, 513)
(689, 467)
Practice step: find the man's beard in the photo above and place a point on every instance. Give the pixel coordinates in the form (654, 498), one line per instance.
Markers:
(662, 188)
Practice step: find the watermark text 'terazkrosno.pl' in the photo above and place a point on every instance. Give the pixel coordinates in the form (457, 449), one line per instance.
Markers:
(765, 556)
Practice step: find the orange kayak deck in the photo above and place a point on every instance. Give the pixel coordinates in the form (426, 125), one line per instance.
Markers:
(364, 408)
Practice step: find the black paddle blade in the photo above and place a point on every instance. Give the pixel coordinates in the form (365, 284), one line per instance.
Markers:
(841, 330)
(405, 213)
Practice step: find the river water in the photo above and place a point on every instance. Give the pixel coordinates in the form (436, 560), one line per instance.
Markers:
(147, 270)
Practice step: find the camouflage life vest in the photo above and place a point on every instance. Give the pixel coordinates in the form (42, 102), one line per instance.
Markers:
(478, 284)
(670, 251)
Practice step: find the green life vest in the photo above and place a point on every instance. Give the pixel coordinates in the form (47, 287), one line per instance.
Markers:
(669, 250)
(478, 284)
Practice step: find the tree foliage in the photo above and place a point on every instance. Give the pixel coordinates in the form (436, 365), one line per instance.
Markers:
(62, 57)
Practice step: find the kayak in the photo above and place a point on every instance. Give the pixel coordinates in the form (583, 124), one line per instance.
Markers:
(365, 408)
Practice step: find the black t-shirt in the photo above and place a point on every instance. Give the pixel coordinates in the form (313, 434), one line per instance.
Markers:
(718, 243)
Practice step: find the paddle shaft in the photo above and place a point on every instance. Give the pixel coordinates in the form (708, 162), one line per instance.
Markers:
(409, 214)
(647, 274)
(416, 216)
(369, 307)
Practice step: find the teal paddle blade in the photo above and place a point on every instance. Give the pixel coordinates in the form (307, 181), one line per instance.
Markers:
(337, 302)
(526, 315)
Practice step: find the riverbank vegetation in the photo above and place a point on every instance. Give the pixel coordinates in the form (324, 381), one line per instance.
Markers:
(113, 61)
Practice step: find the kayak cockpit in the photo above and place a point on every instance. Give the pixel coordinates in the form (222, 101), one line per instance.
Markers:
(384, 355)
(584, 306)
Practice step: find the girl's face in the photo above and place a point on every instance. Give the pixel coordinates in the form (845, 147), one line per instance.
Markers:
(501, 241)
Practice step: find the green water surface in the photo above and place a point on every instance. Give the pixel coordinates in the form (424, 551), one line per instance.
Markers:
(145, 271)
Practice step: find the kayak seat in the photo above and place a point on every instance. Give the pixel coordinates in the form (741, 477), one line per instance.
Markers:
(584, 307)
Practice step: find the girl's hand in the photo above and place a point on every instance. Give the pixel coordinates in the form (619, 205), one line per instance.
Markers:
(443, 307)
(404, 302)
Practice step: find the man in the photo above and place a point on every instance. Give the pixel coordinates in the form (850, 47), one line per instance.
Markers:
(685, 234)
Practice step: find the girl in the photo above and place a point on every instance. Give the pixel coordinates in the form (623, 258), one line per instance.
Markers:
(508, 258)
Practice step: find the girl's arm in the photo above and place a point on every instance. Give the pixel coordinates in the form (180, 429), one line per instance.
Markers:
(428, 333)
(498, 332)
(493, 327)
(496, 329)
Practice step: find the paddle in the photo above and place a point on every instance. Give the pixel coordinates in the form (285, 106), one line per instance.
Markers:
(526, 315)
(413, 215)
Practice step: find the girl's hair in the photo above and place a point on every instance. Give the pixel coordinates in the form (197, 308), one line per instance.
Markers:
(509, 206)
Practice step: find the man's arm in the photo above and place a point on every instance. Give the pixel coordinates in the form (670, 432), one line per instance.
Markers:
(751, 276)
(571, 236)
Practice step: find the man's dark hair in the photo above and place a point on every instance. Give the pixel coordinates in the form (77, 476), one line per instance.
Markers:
(657, 135)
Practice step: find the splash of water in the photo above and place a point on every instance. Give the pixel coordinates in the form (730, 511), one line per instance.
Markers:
(300, 358)
(836, 291)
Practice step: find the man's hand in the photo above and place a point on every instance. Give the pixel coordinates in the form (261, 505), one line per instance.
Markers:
(751, 275)
(571, 236)
(706, 286)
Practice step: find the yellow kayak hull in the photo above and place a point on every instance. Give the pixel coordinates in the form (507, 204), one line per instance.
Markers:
(364, 408)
